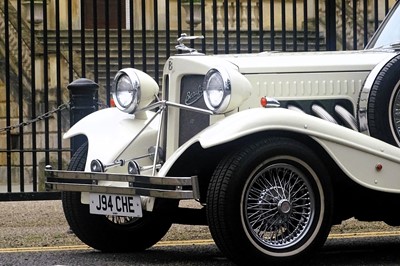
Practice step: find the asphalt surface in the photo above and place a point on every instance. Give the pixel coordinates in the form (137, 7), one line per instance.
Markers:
(36, 233)
(366, 251)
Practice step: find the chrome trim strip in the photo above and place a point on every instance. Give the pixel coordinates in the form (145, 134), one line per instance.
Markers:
(347, 118)
(177, 105)
(157, 193)
(322, 113)
(153, 186)
(295, 108)
(362, 112)
(362, 107)
(138, 134)
(155, 180)
(158, 140)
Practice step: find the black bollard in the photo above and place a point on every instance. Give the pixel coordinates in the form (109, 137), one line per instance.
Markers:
(83, 101)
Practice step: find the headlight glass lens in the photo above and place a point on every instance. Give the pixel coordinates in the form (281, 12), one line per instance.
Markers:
(126, 91)
(216, 90)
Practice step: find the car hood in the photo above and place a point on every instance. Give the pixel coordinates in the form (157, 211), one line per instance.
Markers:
(286, 62)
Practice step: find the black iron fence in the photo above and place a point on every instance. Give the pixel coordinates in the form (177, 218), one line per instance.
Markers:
(47, 44)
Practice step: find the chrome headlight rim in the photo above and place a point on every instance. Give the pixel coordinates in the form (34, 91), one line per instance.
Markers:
(223, 103)
(135, 84)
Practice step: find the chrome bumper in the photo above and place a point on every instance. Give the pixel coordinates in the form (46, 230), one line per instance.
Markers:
(152, 186)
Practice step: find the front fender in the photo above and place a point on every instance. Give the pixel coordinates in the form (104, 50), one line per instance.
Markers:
(109, 131)
(358, 155)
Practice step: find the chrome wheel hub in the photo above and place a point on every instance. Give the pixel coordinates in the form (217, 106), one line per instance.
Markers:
(284, 206)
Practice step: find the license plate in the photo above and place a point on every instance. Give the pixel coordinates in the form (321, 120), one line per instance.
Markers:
(118, 205)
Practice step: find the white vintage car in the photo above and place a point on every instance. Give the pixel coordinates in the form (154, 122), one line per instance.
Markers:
(272, 180)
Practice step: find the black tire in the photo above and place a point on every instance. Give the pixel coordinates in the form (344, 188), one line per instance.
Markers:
(384, 100)
(241, 182)
(111, 234)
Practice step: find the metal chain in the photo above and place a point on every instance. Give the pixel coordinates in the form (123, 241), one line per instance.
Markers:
(40, 117)
(45, 115)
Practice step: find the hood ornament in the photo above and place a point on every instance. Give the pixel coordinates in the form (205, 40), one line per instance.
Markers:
(182, 47)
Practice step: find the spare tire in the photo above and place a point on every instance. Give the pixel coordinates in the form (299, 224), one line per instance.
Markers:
(384, 104)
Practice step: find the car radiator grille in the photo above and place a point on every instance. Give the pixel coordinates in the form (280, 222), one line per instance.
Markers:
(191, 123)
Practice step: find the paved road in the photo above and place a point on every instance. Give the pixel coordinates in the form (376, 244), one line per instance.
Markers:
(30, 231)
(362, 249)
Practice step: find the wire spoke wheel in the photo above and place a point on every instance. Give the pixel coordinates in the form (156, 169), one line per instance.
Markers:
(270, 202)
(122, 220)
(278, 206)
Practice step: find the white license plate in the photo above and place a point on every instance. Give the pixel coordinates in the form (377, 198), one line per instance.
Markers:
(119, 205)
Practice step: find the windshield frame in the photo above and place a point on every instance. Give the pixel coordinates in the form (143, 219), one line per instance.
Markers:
(387, 24)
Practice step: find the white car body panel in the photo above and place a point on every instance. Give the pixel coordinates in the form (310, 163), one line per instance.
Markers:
(288, 75)
(283, 76)
(109, 131)
(355, 153)
(303, 62)
(287, 62)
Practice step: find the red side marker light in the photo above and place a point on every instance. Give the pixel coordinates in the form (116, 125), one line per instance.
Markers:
(264, 102)
(269, 102)
(112, 103)
(378, 167)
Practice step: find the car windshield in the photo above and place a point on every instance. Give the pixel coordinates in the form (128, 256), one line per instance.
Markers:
(388, 34)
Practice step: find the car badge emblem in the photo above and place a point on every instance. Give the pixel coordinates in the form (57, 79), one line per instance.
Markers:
(194, 96)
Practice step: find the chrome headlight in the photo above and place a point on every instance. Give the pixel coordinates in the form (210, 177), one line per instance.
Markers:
(224, 89)
(217, 90)
(133, 89)
(126, 91)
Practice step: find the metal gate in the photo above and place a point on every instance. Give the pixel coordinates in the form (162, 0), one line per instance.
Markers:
(46, 44)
